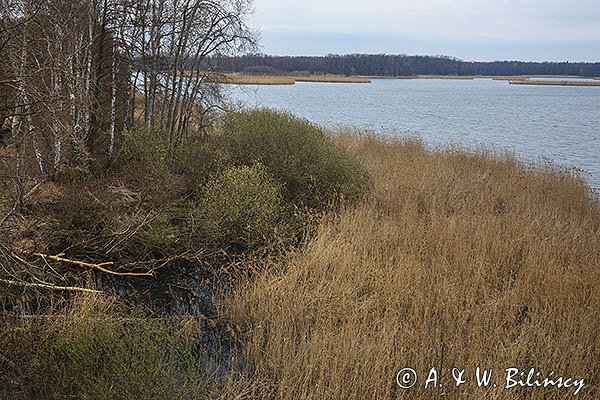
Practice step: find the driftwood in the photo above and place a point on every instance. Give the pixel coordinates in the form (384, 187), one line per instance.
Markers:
(48, 286)
(99, 267)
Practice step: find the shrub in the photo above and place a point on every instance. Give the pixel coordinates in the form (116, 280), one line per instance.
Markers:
(146, 235)
(241, 205)
(198, 161)
(311, 168)
(95, 352)
(145, 160)
(146, 151)
(84, 207)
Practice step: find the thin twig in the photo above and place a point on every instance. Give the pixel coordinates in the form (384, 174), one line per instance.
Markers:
(147, 219)
(47, 286)
(99, 267)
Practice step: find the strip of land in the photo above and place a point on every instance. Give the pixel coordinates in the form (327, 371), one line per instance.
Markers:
(461, 77)
(494, 77)
(250, 79)
(246, 79)
(554, 83)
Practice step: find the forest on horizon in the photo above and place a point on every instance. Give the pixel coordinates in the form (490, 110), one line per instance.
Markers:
(399, 65)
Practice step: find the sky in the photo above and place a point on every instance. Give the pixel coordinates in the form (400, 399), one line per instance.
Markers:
(474, 30)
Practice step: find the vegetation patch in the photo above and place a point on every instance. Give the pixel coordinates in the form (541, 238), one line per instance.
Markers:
(313, 171)
(425, 253)
(241, 205)
(457, 258)
(97, 350)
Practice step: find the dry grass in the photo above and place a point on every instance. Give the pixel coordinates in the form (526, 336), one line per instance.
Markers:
(465, 77)
(332, 79)
(242, 79)
(518, 78)
(526, 77)
(508, 78)
(245, 79)
(555, 83)
(457, 260)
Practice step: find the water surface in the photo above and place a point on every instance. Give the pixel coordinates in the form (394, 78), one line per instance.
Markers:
(560, 123)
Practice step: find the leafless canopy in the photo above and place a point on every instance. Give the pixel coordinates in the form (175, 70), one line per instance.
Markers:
(76, 73)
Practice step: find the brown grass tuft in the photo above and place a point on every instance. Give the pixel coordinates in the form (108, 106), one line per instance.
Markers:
(457, 260)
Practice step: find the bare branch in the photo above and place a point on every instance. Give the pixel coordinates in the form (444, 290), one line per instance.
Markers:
(48, 286)
(99, 267)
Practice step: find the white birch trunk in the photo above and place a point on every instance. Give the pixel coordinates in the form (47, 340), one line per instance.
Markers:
(113, 103)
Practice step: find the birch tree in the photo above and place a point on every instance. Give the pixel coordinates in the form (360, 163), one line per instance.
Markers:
(79, 72)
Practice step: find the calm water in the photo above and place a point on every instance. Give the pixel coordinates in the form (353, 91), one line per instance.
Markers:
(562, 123)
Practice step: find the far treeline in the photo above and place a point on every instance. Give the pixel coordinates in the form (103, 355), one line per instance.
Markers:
(399, 65)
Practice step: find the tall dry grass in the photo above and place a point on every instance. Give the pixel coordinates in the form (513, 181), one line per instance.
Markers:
(457, 260)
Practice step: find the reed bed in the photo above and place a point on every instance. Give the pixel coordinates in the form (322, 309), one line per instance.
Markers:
(456, 260)
(243, 79)
(332, 79)
(465, 77)
(508, 78)
(554, 83)
(246, 79)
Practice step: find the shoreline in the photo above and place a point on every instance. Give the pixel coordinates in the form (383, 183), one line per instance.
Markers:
(268, 80)
(554, 83)
(243, 79)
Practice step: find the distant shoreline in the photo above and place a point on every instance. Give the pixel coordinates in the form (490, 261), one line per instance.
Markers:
(247, 79)
(252, 79)
(554, 83)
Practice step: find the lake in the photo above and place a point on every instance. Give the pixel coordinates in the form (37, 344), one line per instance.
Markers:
(560, 123)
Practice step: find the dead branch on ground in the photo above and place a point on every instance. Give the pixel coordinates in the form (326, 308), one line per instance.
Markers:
(99, 267)
(48, 286)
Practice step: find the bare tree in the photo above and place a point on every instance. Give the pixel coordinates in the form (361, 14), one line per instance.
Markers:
(173, 56)
(76, 68)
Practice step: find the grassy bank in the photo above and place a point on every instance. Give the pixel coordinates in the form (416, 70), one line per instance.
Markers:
(333, 79)
(336, 261)
(509, 78)
(456, 260)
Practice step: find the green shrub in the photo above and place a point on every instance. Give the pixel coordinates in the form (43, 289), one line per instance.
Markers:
(312, 169)
(146, 159)
(106, 354)
(146, 235)
(241, 205)
(198, 161)
(147, 152)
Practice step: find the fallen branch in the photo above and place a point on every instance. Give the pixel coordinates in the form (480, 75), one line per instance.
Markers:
(47, 286)
(99, 267)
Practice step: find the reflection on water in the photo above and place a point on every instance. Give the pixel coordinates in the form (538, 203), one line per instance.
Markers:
(561, 123)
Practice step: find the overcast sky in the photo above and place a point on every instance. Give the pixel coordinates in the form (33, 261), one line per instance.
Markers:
(557, 30)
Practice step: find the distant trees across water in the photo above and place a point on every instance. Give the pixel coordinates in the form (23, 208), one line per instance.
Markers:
(399, 65)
